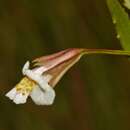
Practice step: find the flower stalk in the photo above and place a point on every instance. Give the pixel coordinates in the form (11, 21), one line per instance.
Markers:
(105, 51)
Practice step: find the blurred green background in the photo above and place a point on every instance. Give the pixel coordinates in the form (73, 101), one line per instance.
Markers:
(93, 95)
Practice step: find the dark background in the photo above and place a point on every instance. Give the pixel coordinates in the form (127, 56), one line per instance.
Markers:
(93, 95)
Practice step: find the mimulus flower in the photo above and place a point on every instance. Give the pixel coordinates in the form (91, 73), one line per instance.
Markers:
(33, 85)
(39, 82)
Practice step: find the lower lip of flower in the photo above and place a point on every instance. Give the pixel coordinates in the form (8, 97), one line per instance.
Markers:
(26, 85)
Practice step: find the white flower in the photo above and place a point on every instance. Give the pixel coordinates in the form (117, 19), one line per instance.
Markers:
(35, 85)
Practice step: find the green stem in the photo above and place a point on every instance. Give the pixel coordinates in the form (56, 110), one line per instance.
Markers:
(105, 51)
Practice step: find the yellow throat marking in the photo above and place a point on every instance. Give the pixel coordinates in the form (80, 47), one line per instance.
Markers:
(25, 85)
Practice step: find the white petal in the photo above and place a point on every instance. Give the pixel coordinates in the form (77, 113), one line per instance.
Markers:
(36, 74)
(25, 67)
(32, 75)
(40, 79)
(17, 97)
(41, 97)
(11, 94)
(47, 77)
(43, 82)
(20, 98)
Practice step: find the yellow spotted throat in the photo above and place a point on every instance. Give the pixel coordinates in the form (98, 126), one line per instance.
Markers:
(25, 85)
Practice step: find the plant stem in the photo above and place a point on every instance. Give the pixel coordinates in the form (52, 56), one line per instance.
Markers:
(105, 51)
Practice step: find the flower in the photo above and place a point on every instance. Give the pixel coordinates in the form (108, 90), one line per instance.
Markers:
(33, 85)
(38, 83)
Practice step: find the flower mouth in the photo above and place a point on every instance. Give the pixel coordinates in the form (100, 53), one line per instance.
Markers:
(25, 86)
